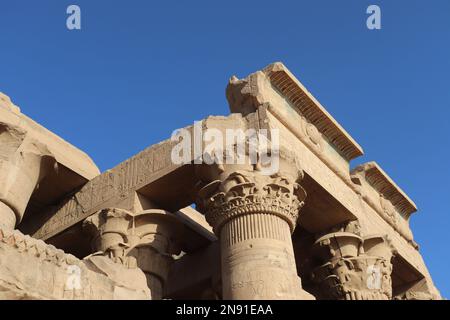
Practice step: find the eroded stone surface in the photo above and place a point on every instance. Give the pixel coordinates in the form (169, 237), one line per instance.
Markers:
(146, 240)
(32, 269)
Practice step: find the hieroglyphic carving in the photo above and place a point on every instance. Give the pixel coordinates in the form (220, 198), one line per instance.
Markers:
(111, 186)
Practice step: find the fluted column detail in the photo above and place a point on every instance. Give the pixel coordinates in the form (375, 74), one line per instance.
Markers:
(254, 215)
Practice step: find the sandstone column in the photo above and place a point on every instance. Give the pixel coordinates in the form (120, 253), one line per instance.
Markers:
(254, 215)
(23, 163)
(144, 240)
(353, 267)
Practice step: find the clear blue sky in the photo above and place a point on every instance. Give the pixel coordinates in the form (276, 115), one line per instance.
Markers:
(139, 69)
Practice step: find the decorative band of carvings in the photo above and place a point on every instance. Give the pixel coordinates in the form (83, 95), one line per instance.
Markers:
(246, 193)
(254, 226)
(36, 248)
(285, 82)
(399, 225)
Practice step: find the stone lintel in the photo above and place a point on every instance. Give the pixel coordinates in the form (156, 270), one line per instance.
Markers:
(109, 188)
(149, 173)
(383, 184)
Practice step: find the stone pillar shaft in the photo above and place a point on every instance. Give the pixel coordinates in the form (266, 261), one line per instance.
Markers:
(258, 259)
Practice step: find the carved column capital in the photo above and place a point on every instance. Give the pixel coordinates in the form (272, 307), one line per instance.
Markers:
(145, 240)
(353, 267)
(230, 191)
(110, 229)
(248, 192)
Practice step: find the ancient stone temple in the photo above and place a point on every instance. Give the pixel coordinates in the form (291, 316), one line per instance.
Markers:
(155, 228)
